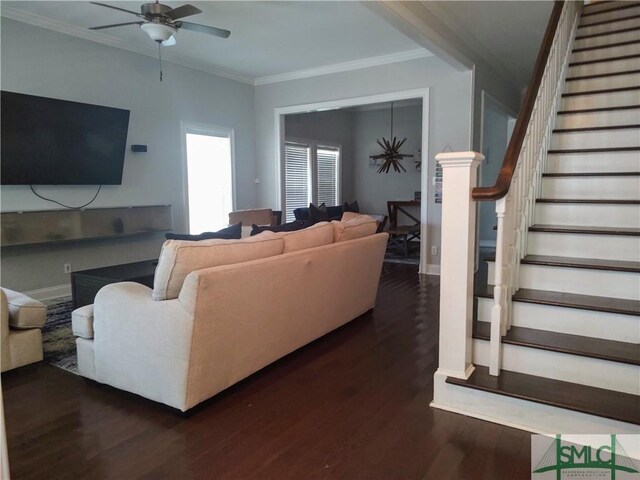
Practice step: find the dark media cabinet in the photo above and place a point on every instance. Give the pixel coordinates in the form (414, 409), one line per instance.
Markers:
(86, 283)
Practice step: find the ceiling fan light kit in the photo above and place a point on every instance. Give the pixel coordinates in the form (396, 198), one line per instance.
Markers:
(158, 32)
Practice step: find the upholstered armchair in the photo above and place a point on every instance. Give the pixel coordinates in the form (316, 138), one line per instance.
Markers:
(22, 321)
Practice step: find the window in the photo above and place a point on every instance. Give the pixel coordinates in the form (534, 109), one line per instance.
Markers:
(312, 175)
(209, 178)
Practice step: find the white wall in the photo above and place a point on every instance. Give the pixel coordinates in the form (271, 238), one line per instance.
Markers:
(333, 126)
(373, 189)
(450, 113)
(41, 62)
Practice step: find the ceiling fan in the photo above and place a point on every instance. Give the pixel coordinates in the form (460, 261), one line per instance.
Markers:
(161, 22)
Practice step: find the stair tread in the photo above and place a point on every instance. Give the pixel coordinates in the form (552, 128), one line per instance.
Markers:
(589, 201)
(593, 129)
(610, 350)
(592, 174)
(586, 9)
(601, 91)
(624, 407)
(571, 300)
(593, 263)
(599, 75)
(611, 20)
(607, 45)
(595, 150)
(627, 231)
(598, 109)
(603, 60)
(610, 32)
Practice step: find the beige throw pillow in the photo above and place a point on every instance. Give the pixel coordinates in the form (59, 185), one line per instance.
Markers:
(314, 236)
(350, 216)
(179, 258)
(357, 227)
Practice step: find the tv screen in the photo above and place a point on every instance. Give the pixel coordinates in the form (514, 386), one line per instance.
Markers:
(56, 142)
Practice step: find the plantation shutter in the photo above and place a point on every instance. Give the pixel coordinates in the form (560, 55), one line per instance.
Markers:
(327, 175)
(296, 177)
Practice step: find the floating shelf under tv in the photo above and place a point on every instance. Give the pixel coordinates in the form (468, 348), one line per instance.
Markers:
(55, 226)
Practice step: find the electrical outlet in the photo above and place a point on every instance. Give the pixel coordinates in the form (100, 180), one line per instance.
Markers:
(67, 268)
(434, 250)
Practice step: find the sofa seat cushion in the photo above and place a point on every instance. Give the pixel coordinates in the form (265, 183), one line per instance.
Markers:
(354, 227)
(24, 311)
(179, 258)
(82, 321)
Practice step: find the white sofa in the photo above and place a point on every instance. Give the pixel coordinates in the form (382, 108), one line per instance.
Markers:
(222, 322)
(22, 321)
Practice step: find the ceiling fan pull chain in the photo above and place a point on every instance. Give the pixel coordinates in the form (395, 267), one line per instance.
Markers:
(160, 58)
(391, 137)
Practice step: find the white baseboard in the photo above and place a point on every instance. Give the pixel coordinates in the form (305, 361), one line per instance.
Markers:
(49, 293)
(432, 269)
(488, 243)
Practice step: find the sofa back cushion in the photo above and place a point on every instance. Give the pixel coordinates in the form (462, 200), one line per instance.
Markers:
(310, 237)
(179, 258)
(354, 227)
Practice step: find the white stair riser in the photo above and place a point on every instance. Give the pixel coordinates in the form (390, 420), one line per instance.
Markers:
(603, 67)
(607, 27)
(602, 53)
(627, 137)
(586, 214)
(605, 16)
(620, 377)
(607, 39)
(599, 119)
(573, 321)
(602, 100)
(580, 245)
(581, 281)
(601, 83)
(593, 162)
(523, 414)
(608, 188)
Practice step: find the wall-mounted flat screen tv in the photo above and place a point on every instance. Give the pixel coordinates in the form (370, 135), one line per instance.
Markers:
(46, 141)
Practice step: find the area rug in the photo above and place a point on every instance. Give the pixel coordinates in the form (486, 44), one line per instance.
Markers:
(58, 341)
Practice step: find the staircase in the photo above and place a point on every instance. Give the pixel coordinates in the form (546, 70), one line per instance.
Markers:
(570, 360)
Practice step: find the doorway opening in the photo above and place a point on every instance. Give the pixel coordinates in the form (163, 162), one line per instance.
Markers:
(209, 177)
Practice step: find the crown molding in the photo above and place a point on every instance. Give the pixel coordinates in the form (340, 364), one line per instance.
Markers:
(345, 66)
(94, 36)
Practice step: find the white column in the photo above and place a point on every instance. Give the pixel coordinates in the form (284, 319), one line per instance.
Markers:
(459, 176)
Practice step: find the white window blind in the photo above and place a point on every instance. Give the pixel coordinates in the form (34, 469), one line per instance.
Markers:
(297, 177)
(327, 175)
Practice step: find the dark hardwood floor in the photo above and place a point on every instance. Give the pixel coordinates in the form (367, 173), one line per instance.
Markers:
(351, 405)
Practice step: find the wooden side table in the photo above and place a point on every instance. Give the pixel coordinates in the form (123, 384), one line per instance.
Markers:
(86, 283)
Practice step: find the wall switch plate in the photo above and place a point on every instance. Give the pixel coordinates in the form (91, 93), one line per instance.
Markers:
(434, 250)
(67, 268)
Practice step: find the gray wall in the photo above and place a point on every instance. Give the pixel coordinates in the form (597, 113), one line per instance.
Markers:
(449, 122)
(333, 126)
(373, 189)
(42, 62)
(495, 137)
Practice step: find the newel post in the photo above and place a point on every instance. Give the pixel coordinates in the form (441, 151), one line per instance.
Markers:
(459, 177)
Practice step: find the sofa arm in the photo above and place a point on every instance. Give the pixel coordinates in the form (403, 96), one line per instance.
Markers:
(142, 345)
(82, 321)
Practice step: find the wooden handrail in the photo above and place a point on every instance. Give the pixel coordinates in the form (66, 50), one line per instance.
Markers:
(501, 188)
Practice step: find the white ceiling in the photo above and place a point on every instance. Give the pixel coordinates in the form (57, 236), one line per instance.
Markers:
(508, 32)
(267, 38)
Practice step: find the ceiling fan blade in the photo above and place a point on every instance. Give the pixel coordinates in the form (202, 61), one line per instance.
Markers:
(183, 11)
(115, 25)
(169, 42)
(116, 8)
(195, 27)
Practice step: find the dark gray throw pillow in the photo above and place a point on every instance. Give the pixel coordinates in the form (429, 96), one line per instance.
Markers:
(286, 227)
(351, 207)
(318, 213)
(230, 233)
